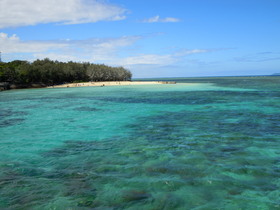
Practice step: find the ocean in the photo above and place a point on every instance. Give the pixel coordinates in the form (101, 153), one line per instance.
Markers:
(203, 143)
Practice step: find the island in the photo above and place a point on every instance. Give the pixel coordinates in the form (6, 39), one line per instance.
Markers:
(55, 74)
(43, 73)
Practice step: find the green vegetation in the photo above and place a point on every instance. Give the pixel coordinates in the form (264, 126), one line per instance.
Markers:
(48, 72)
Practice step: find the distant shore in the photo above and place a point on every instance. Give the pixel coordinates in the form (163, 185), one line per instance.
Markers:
(7, 86)
(111, 83)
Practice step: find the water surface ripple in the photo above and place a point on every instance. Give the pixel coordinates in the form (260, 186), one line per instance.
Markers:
(212, 145)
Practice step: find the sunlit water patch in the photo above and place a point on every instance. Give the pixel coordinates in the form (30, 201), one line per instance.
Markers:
(204, 146)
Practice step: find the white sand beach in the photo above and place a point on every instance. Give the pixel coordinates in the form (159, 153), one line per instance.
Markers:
(111, 83)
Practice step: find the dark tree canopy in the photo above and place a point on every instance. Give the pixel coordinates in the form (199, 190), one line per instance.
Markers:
(50, 72)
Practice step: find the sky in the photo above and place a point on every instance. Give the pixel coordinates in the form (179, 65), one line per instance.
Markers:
(151, 38)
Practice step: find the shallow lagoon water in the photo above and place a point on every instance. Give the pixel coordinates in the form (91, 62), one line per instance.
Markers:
(209, 145)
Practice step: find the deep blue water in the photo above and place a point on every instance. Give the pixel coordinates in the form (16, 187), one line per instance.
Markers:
(204, 143)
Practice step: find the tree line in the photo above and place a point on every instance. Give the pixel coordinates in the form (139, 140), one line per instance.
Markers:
(50, 72)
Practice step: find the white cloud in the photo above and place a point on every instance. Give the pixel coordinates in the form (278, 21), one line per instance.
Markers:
(108, 51)
(190, 52)
(13, 44)
(60, 57)
(32, 12)
(160, 60)
(92, 50)
(157, 19)
(147, 59)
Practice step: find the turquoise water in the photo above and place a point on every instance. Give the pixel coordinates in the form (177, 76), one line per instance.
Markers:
(210, 145)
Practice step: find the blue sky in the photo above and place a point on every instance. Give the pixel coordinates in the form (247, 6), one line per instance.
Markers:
(155, 38)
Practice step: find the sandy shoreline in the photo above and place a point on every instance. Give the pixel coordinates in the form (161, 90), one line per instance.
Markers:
(112, 83)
